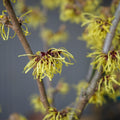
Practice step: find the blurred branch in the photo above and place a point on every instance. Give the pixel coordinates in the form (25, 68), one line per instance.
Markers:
(86, 94)
(91, 71)
(25, 44)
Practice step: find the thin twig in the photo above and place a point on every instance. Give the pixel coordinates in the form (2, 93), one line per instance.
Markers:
(50, 88)
(109, 37)
(23, 40)
(86, 94)
(90, 72)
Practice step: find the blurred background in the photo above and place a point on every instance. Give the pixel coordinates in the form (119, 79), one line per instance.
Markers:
(17, 87)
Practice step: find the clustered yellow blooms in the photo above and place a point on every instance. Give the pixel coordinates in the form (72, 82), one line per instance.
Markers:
(54, 37)
(96, 30)
(115, 95)
(23, 20)
(97, 98)
(6, 21)
(70, 11)
(116, 40)
(107, 82)
(80, 86)
(36, 15)
(53, 114)
(48, 63)
(37, 104)
(51, 4)
(20, 7)
(3, 20)
(109, 62)
(90, 5)
(62, 87)
(105, 88)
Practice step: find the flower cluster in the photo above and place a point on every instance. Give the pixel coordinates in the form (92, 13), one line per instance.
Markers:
(37, 104)
(97, 98)
(54, 37)
(51, 4)
(109, 62)
(90, 5)
(62, 87)
(81, 85)
(20, 7)
(4, 20)
(116, 40)
(48, 63)
(53, 114)
(107, 82)
(70, 11)
(35, 15)
(96, 30)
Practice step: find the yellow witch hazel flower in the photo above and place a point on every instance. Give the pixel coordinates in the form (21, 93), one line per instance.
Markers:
(107, 83)
(22, 21)
(90, 5)
(70, 11)
(97, 26)
(3, 20)
(115, 95)
(20, 7)
(48, 63)
(37, 104)
(62, 87)
(81, 85)
(6, 21)
(36, 16)
(54, 37)
(91, 43)
(53, 114)
(116, 40)
(109, 62)
(51, 4)
(98, 98)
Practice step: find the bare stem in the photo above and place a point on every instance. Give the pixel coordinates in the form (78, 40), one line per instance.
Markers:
(86, 94)
(23, 40)
(109, 37)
